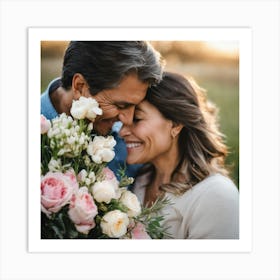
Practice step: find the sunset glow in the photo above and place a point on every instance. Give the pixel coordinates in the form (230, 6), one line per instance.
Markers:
(223, 46)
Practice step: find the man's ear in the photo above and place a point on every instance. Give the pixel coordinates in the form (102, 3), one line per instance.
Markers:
(79, 86)
(176, 129)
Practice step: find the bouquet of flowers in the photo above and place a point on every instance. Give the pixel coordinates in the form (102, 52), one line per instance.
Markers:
(80, 196)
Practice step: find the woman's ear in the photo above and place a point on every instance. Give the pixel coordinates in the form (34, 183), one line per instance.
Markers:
(80, 86)
(176, 129)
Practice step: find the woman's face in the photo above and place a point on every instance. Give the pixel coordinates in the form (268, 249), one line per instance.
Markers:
(149, 137)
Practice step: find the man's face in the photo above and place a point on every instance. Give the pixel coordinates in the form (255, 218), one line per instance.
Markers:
(119, 103)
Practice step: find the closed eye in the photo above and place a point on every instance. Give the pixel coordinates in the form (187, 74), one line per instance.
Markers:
(123, 106)
(135, 120)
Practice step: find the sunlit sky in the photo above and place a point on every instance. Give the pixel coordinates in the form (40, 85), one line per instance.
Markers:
(229, 47)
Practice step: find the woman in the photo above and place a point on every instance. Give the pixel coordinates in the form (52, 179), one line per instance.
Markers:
(175, 133)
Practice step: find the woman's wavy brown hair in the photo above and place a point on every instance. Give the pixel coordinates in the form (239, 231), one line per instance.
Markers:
(201, 147)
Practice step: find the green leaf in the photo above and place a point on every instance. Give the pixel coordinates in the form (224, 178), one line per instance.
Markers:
(57, 231)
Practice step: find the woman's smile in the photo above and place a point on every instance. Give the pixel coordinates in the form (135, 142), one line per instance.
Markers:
(133, 145)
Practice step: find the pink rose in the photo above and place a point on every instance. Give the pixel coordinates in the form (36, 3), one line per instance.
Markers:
(72, 177)
(109, 174)
(45, 124)
(82, 210)
(139, 232)
(56, 191)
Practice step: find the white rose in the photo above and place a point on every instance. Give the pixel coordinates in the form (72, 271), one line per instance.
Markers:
(104, 155)
(101, 149)
(85, 108)
(110, 142)
(93, 112)
(107, 155)
(105, 191)
(131, 201)
(114, 223)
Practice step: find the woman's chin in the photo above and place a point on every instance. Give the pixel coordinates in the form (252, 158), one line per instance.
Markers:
(133, 161)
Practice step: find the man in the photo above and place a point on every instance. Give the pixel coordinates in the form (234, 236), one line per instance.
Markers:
(116, 74)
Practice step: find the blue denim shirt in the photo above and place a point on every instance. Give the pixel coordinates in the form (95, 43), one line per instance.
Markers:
(121, 154)
(119, 160)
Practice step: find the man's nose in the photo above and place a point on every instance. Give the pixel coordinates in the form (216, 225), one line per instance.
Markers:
(126, 115)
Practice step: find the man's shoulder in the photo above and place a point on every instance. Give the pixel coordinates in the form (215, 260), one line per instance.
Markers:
(47, 108)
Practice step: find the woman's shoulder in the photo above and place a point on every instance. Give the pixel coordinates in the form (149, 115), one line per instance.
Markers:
(216, 184)
(211, 208)
(215, 190)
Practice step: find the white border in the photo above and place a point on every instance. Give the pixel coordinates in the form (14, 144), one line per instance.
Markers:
(243, 36)
(262, 16)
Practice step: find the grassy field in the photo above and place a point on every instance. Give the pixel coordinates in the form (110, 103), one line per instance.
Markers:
(226, 98)
(220, 80)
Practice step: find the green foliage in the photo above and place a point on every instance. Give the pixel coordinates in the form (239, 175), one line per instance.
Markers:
(225, 95)
(58, 226)
(124, 179)
(151, 218)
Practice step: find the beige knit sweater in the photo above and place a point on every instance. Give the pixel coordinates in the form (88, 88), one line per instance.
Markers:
(210, 210)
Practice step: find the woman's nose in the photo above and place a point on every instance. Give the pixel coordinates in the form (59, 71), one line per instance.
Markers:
(125, 131)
